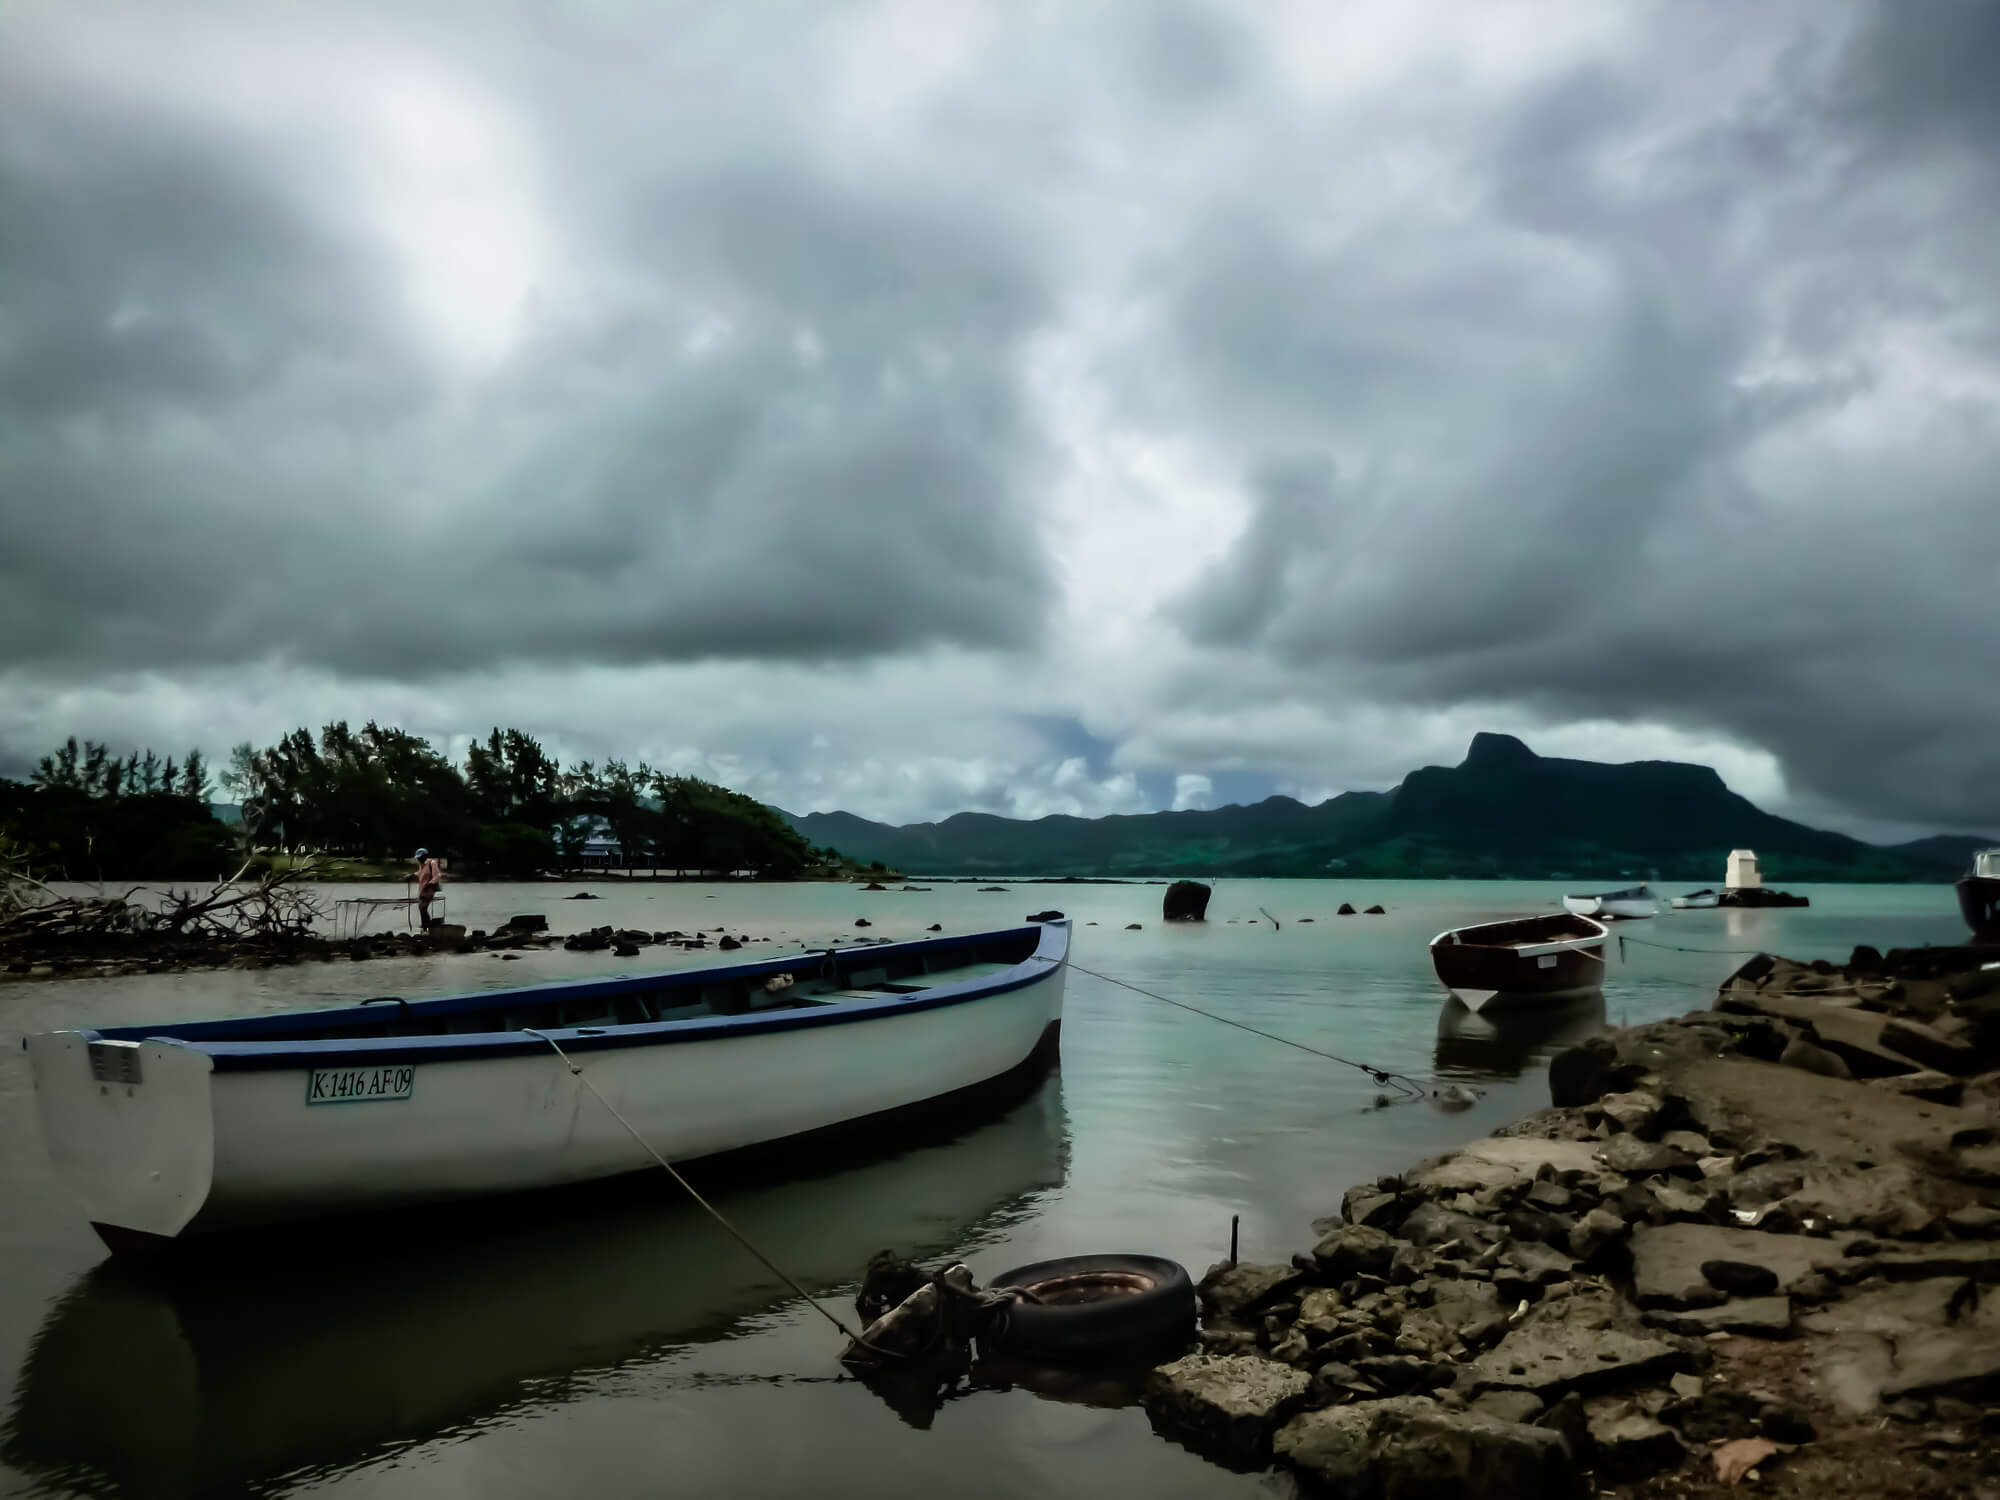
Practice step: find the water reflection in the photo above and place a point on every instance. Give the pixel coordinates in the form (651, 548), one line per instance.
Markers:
(188, 1380)
(1505, 1041)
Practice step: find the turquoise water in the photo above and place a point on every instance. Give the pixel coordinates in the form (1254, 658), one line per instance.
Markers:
(618, 1344)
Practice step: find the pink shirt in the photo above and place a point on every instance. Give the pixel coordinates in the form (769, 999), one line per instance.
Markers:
(428, 874)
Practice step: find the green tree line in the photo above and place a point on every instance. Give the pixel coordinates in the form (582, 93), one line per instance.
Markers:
(379, 793)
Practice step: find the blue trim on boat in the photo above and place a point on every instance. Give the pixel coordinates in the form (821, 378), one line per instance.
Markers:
(262, 1042)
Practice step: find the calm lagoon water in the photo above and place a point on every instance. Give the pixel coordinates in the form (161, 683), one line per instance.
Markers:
(619, 1344)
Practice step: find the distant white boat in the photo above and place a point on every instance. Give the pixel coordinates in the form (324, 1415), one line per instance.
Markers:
(1696, 901)
(1636, 901)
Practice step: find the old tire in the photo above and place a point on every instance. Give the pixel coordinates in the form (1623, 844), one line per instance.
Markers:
(1095, 1309)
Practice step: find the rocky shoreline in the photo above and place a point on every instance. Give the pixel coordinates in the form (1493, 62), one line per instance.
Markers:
(143, 953)
(1756, 1245)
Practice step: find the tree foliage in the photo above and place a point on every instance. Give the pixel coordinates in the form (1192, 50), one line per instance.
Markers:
(379, 793)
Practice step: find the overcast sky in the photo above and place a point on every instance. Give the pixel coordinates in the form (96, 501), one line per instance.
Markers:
(1026, 407)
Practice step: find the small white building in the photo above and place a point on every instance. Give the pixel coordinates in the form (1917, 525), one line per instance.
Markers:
(1742, 875)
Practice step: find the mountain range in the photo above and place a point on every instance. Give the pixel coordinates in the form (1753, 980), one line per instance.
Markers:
(1504, 812)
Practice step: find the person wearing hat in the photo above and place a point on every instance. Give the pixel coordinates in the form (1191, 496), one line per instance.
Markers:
(429, 877)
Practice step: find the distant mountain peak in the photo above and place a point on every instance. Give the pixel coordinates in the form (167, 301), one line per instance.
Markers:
(1492, 752)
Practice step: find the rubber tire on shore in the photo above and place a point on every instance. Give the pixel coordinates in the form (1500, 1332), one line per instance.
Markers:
(1152, 1313)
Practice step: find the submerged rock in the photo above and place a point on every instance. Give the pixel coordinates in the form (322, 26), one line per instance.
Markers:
(1185, 901)
(1227, 1402)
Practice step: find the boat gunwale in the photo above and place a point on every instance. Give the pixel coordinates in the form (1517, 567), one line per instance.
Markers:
(1456, 936)
(1050, 955)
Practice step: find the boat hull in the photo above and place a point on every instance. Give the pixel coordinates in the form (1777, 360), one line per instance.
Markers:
(193, 1147)
(1622, 906)
(1979, 902)
(1491, 974)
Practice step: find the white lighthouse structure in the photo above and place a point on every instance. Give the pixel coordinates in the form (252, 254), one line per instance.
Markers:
(1742, 875)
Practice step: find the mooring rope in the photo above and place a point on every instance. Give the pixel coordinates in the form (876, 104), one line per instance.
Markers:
(713, 1212)
(1399, 1081)
(1677, 948)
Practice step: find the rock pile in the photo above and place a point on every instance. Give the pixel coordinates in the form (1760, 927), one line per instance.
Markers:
(1588, 1296)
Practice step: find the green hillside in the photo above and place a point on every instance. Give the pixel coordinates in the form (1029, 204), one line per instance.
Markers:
(1504, 812)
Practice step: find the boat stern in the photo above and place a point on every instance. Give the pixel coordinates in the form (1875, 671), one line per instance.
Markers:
(128, 1127)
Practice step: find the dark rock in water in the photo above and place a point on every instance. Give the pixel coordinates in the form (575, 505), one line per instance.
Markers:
(1051, 915)
(1001, 889)
(935, 927)
(625, 950)
(874, 885)
(1229, 1403)
(1411, 1445)
(1185, 901)
(1740, 1278)
(581, 896)
(1346, 910)
(1305, 919)
(1375, 911)
(594, 941)
(728, 943)
(527, 923)
(1133, 926)
(863, 922)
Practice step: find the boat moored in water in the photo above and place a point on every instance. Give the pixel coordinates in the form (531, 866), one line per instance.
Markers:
(1697, 901)
(1559, 953)
(1979, 896)
(1633, 902)
(186, 1128)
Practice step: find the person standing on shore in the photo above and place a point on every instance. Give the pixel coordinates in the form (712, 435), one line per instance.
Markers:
(429, 876)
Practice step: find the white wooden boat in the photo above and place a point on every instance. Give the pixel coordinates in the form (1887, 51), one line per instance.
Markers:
(1697, 901)
(1635, 901)
(1522, 958)
(186, 1128)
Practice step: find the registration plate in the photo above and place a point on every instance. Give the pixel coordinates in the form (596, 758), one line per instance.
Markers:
(359, 1085)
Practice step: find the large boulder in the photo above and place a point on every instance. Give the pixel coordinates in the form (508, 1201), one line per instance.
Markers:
(1412, 1448)
(1185, 901)
(1355, 1250)
(1576, 1343)
(1237, 1291)
(1668, 1260)
(1228, 1403)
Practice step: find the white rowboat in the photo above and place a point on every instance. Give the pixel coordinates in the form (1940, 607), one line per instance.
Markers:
(186, 1128)
(1637, 901)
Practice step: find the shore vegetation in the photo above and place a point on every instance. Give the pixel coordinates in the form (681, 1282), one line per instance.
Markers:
(357, 803)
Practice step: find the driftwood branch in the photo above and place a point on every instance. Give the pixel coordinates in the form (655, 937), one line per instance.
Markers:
(275, 909)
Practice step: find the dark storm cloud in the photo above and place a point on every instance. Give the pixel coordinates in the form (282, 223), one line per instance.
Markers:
(767, 405)
(1696, 420)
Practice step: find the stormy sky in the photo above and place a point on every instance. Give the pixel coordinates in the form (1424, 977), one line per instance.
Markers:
(920, 406)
